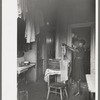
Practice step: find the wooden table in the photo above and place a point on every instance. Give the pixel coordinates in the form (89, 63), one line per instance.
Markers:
(91, 85)
(23, 70)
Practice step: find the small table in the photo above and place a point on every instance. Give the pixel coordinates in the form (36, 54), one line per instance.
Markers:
(91, 84)
(23, 69)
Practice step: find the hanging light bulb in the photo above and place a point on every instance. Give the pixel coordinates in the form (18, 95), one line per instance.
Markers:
(73, 35)
(48, 40)
(47, 23)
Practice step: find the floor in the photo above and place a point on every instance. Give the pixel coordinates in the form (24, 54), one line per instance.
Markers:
(38, 91)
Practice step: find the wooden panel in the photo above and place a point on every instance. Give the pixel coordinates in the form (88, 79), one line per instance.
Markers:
(54, 63)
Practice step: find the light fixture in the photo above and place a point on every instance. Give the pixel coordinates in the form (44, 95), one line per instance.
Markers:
(48, 40)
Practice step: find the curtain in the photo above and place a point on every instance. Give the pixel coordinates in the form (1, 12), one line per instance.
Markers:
(33, 16)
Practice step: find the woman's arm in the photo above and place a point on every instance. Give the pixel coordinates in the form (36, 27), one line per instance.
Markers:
(70, 48)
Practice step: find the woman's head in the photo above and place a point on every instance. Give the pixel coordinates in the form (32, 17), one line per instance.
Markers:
(81, 43)
(75, 43)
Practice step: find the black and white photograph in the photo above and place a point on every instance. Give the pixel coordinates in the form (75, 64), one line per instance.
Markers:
(55, 50)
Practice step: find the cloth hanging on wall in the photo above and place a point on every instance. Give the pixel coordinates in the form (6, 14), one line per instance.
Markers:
(64, 64)
(22, 7)
(30, 31)
(34, 18)
(20, 36)
(33, 25)
(20, 33)
(64, 69)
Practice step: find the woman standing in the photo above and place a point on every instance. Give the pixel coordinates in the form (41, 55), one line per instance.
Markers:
(78, 68)
(77, 72)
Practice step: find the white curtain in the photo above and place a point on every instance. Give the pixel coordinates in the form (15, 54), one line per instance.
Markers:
(33, 16)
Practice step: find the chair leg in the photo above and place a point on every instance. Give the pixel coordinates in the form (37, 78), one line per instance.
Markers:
(48, 93)
(63, 91)
(56, 92)
(61, 94)
(66, 92)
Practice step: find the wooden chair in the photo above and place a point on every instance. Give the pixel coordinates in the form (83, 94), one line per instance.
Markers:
(57, 86)
(61, 86)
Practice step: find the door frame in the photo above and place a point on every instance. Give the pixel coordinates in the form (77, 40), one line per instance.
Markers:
(92, 47)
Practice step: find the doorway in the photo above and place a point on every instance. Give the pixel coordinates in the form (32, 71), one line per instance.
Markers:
(84, 31)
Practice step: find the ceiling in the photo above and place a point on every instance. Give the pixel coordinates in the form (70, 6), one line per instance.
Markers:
(64, 10)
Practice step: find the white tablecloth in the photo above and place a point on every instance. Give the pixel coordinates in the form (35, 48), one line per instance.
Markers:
(91, 82)
(50, 72)
(24, 68)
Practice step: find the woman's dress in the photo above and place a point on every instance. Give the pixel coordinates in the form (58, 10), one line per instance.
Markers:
(77, 66)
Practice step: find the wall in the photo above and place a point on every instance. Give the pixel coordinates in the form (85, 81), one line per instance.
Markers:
(76, 11)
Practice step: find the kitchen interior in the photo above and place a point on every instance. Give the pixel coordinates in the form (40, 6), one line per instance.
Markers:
(42, 27)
